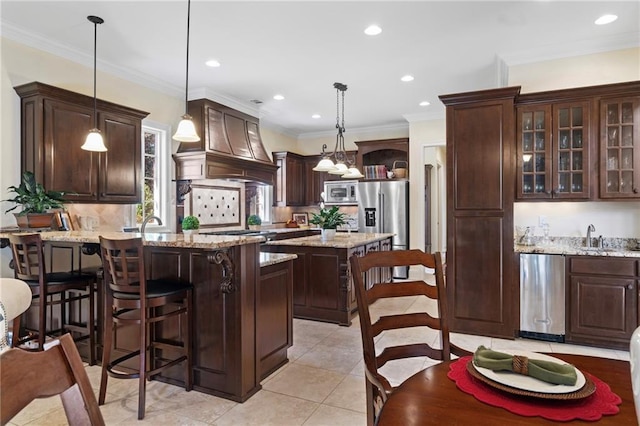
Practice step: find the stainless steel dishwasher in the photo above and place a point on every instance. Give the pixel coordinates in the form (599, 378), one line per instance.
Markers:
(542, 297)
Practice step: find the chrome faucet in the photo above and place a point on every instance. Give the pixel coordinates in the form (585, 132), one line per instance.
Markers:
(147, 220)
(590, 229)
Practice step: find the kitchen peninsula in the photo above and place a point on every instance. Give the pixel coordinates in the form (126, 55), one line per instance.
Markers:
(228, 335)
(322, 285)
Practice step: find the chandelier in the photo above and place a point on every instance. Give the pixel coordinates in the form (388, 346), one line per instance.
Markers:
(341, 163)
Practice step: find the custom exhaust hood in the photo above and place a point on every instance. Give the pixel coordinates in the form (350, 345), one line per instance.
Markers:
(230, 147)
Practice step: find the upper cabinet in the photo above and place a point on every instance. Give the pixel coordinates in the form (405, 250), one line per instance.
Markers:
(290, 185)
(384, 152)
(620, 147)
(579, 143)
(552, 150)
(54, 125)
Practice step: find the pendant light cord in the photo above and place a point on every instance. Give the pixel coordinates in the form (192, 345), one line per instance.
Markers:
(95, 63)
(186, 85)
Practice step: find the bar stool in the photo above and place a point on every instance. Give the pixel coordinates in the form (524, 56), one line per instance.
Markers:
(29, 264)
(132, 299)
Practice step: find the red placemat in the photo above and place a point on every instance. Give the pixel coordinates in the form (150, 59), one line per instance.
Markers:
(602, 402)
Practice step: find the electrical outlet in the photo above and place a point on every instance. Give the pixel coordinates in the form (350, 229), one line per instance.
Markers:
(542, 220)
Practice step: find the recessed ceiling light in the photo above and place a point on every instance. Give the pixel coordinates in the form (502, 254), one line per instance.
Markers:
(212, 63)
(425, 103)
(372, 30)
(606, 19)
(407, 78)
(278, 97)
(316, 116)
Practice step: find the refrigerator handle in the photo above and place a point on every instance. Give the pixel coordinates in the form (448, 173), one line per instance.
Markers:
(381, 195)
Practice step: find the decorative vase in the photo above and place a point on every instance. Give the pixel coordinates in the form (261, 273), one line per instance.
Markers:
(34, 220)
(327, 234)
(190, 231)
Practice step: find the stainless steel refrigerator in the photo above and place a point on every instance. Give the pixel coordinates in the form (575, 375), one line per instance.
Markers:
(383, 206)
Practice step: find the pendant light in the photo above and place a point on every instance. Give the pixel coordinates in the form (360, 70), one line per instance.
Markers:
(186, 129)
(343, 165)
(94, 141)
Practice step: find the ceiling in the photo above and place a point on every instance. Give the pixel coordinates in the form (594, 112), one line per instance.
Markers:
(300, 48)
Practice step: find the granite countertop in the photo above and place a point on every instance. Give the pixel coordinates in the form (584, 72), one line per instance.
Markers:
(151, 239)
(341, 240)
(268, 259)
(570, 246)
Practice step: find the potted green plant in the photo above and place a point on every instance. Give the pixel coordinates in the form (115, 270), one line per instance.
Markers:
(36, 203)
(190, 225)
(328, 220)
(254, 221)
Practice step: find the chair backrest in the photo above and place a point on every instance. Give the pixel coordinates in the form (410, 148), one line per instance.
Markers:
(123, 263)
(366, 297)
(28, 256)
(26, 376)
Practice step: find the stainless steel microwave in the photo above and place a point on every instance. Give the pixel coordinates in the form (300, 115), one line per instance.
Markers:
(341, 192)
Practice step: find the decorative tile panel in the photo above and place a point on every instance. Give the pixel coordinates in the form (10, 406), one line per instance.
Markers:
(215, 206)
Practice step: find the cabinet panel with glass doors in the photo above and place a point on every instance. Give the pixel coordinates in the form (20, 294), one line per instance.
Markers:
(620, 148)
(553, 151)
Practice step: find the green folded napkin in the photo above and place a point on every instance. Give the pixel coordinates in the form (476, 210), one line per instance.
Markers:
(548, 371)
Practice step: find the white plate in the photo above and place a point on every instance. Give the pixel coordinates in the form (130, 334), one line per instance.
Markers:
(528, 383)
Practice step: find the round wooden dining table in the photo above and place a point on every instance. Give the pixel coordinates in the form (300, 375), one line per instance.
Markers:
(429, 397)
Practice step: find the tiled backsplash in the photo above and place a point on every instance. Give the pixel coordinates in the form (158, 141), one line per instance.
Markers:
(109, 217)
(216, 205)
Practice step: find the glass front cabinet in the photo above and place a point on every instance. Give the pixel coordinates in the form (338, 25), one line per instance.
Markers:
(553, 151)
(620, 148)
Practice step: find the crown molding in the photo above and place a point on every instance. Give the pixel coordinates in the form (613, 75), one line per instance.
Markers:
(576, 48)
(428, 116)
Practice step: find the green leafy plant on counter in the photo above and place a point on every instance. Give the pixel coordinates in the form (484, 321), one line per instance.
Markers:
(329, 218)
(190, 222)
(33, 197)
(254, 219)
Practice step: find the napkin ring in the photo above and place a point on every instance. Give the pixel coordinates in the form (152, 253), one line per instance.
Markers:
(520, 364)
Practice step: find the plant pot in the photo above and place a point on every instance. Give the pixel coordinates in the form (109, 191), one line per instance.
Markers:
(254, 227)
(327, 234)
(34, 220)
(190, 231)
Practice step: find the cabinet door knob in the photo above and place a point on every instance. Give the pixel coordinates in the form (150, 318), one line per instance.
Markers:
(629, 286)
(635, 190)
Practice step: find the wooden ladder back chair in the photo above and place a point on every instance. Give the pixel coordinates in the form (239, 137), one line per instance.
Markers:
(129, 291)
(29, 266)
(378, 387)
(58, 370)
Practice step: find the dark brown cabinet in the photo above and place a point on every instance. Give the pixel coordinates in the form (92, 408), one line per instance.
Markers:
(274, 316)
(385, 152)
(602, 296)
(553, 158)
(55, 123)
(482, 283)
(290, 179)
(314, 181)
(620, 147)
(322, 285)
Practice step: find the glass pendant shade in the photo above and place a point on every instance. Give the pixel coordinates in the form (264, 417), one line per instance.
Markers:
(352, 173)
(340, 169)
(324, 165)
(94, 142)
(186, 130)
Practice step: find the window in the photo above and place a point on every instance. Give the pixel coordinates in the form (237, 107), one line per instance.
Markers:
(261, 202)
(156, 153)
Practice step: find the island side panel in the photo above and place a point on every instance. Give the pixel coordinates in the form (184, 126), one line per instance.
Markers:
(274, 316)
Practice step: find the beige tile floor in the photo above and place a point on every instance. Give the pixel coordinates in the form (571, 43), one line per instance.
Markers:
(323, 384)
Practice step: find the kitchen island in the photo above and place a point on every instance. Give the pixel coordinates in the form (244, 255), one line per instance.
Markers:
(322, 284)
(225, 272)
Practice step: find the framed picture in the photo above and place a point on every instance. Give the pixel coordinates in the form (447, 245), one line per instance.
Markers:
(301, 218)
(63, 221)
